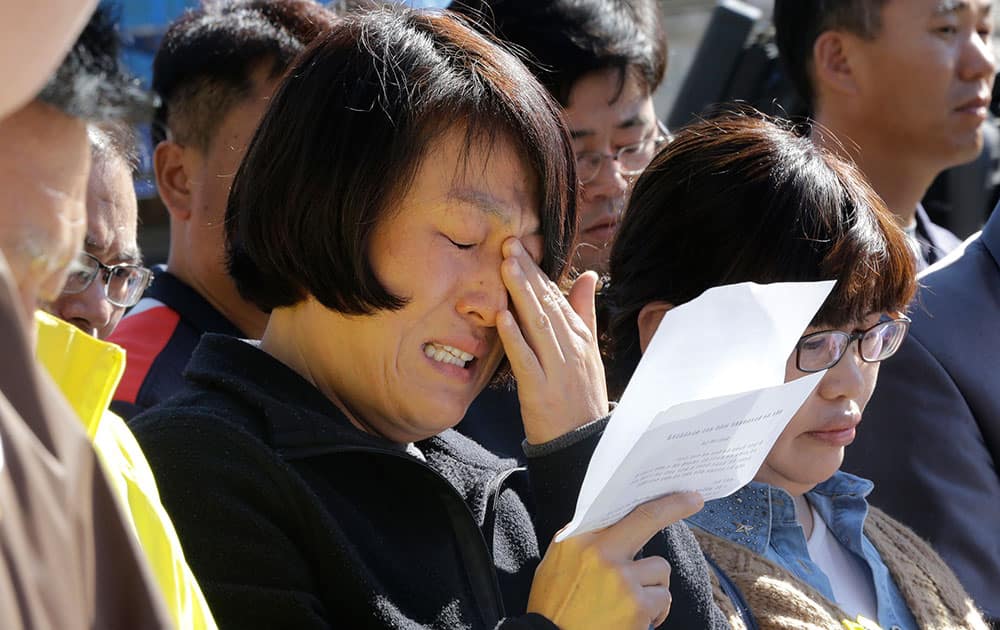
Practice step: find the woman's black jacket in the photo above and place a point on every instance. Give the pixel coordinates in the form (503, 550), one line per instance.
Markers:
(292, 518)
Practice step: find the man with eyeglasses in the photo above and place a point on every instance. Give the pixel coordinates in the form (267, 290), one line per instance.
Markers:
(602, 60)
(106, 278)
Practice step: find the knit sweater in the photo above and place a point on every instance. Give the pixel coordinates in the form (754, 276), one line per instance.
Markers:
(781, 601)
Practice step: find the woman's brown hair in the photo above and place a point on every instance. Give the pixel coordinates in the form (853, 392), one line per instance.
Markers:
(741, 197)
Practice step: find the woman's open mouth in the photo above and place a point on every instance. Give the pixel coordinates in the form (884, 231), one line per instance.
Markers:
(443, 353)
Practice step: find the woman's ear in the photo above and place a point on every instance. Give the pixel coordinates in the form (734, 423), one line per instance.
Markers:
(649, 321)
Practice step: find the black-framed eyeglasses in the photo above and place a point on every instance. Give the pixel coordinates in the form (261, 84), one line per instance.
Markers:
(821, 350)
(123, 284)
(632, 158)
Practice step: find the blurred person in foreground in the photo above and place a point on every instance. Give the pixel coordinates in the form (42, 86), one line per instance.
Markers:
(215, 71)
(47, 28)
(409, 192)
(902, 87)
(933, 444)
(741, 199)
(68, 560)
(602, 60)
(107, 279)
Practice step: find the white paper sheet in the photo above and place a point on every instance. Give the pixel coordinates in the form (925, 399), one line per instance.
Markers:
(705, 404)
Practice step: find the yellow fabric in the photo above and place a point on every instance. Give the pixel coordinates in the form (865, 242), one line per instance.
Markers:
(87, 371)
(863, 623)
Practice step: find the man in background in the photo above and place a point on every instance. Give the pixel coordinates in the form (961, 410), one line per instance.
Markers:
(602, 60)
(108, 276)
(902, 87)
(215, 71)
(931, 441)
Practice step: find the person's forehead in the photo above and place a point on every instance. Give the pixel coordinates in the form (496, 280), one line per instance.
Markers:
(111, 213)
(493, 177)
(606, 100)
(507, 207)
(54, 145)
(44, 167)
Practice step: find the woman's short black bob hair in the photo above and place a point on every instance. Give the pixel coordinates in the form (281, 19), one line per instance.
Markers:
(345, 134)
(743, 198)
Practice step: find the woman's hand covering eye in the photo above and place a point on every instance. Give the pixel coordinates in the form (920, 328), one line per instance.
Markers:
(551, 343)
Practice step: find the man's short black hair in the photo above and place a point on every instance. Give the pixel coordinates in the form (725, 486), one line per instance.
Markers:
(207, 57)
(347, 131)
(798, 23)
(91, 83)
(567, 39)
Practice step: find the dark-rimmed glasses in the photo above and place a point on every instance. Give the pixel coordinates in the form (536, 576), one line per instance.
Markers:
(632, 158)
(822, 350)
(123, 284)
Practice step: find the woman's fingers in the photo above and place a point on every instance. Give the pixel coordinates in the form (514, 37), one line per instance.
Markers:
(583, 583)
(629, 535)
(656, 601)
(522, 358)
(567, 390)
(652, 571)
(539, 314)
(582, 300)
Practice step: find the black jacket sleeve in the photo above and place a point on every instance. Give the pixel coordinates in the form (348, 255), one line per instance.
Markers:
(228, 511)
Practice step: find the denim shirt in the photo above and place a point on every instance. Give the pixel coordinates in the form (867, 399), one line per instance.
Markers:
(762, 518)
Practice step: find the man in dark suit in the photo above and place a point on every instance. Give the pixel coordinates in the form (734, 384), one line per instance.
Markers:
(901, 88)
(931, 438)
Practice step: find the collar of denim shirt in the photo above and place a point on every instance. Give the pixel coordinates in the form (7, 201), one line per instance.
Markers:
(750, 515)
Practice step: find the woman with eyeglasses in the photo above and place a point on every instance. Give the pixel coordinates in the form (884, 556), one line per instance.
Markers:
(742, 198)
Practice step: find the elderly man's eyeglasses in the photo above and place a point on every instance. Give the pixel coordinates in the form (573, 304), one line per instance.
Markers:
(824, 349)
(632, 158)
(123, 284)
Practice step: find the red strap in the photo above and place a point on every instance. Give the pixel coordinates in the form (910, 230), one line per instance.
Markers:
(144, 336)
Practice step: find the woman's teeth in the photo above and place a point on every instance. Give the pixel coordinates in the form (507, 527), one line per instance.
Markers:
(447, 354)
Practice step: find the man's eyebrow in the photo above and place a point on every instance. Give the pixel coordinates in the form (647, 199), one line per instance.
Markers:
(636, 120)
(946, 7)
(130, 255)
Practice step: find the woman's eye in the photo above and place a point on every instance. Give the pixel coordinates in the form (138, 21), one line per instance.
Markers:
(812, 345)
(461, 245)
